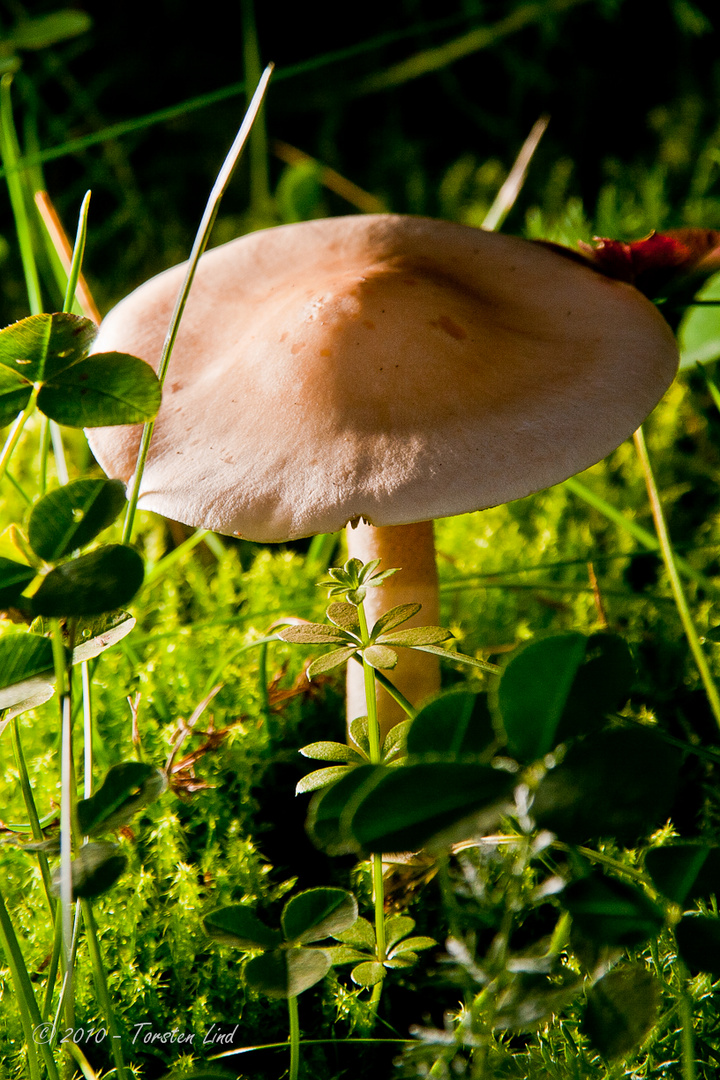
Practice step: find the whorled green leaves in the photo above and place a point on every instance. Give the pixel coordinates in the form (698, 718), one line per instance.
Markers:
(49, 352)
(352, 580)
(343, 631)
(359, 948)
(392, 753)
(287, 965)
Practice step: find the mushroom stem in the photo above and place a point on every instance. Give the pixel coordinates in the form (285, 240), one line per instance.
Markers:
(412, 549)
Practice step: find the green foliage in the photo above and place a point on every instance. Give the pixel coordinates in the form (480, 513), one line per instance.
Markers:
(287, 965)
(46, 355)
(583, 929)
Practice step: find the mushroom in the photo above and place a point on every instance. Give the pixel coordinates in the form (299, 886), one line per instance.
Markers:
(382, 371)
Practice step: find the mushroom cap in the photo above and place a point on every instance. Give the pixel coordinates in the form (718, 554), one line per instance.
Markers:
(385, 367)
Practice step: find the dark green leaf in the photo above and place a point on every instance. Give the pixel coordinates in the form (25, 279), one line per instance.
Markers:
(455, 723)
(23, 657)
(329, 809)
(612, 912)
(104, 579)
(318, 913)
(602, 684)
(42, 346)
(534, 685)
(94, 871)
(14, 579)
(559, 686)
(103, 390)
(531, 999)
(411, 805)
(285, 973)
(126, 788)
(618, 784)
(239, 926)
(698, 941)
(622, 1008)
(73, 515)
(15, 393)
(685, 872)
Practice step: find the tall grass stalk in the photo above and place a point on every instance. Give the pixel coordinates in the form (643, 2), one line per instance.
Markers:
(670, 560)
(10, 157)
(201, 238)
(27, 1005)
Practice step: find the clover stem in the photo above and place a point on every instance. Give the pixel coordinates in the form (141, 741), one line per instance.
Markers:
(17, 429)
(294, 1038)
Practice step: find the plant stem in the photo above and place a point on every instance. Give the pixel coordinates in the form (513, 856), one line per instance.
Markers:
(395, 694)
(77, 256)
(688, 1038)
(676, 585)
(102, 988)
(27, 1006)
(375, 758)
(294, 1038)
(16, 430)
(646, 538)
(260, 198)
(10, 156)
(53, 967)
(31, 810)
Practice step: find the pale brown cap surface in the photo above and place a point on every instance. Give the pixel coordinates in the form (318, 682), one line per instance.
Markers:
(389, 367)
